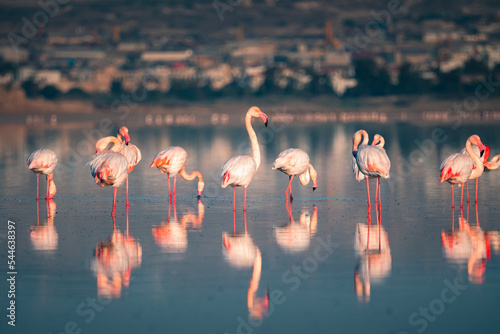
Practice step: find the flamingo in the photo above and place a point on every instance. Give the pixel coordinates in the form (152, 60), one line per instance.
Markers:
(372, 161)
(240, 169)
(477, 171)
(130, 151)
(295, 161)
(110, 168)
(457, 168)
(172, 161)
(44, 161)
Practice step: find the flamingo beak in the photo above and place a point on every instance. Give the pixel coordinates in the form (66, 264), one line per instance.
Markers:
(264, 118)
(127, 138)
(315, 185)
(481, 146)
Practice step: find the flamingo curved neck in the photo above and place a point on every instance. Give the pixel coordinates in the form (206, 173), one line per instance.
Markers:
(190, 177)
(102, 144)
(253, 140)
(477, 160)
(357, 140)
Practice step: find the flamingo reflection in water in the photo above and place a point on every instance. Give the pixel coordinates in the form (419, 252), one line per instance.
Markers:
(296, 236)
(375, 261)
(45, 237)
(241, 253)
(470, 245)
(171, 236)
(114, 261)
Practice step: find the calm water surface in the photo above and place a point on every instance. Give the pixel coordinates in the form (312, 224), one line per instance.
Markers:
(191, 268)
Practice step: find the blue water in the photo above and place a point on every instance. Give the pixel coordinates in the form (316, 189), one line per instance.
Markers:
(171, 272)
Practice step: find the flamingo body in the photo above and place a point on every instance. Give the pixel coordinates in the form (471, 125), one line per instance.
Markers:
(456, 168)
(109, 169)
(292, 161)
(42, 161)
(170, 160)
(373, 161)
(238, 171)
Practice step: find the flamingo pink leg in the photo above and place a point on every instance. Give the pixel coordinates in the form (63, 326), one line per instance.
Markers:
(245, 203)
(477, 186)
(37, 183)
(467, 183)
(126, 185)
(234, 199)
(168, 177)
(290, 178)
(379, 196)
(47, 196)
(368, 194)
(175, 183)
(462, 198)
(291, 197)
(452, 198)
(368, 236)
(114, 200)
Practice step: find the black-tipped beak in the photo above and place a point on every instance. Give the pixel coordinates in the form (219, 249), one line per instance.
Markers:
(266, 123)
(481, 154)
(126, 143)
(314, 188)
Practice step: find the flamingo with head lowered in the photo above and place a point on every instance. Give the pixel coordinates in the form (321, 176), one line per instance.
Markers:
(372, 161)
(240, 169)
(110, 168)
(295, 161)
(44, 161)
(172, 161)
(457, 168)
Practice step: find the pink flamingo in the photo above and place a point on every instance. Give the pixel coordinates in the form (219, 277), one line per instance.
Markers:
(130, 151)
(240, 169)
(372, 161)
(172, 161)
(457, 168)
(477, 171)
(44, 161)
(294, 161)
(110, 168)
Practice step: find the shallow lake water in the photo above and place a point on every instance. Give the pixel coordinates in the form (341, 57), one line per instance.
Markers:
(193, 267)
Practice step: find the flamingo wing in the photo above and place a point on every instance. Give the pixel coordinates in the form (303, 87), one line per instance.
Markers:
(133, 155)
(292, 161)
(238, 171)
(42, 161)
(373, 161)
(170, 160)
(456, 168)
(109, 169)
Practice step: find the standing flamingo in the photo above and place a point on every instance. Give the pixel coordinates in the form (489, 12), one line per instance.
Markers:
(240, 169)
(43, 161)
(477, 171)
(172, 161)
(130, 151)
(457, 168)
(372, 161)
(294, 161)
(110, 168)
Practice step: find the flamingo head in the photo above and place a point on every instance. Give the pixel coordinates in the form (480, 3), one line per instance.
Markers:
(474, 139)
(201, 185)
(256, 112)
(314, 177)
(123, 132)
(493, 164)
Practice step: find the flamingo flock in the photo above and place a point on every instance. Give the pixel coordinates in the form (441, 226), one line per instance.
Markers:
(116, 157)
